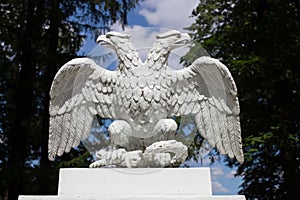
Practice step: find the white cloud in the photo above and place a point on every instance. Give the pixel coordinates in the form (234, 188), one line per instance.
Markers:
(218, 187)
(163, 14)
(159, 13)
(216, 172)
(168, 14)
(230, 174)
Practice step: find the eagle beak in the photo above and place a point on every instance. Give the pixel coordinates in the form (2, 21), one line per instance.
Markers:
(183, 40)
(104, 41)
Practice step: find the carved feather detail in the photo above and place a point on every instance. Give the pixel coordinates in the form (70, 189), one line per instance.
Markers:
(216, 106)
(74, 102)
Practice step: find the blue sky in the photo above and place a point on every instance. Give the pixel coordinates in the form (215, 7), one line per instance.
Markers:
(175, 15)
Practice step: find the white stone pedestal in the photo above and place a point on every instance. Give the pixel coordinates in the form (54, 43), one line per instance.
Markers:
(134, 184)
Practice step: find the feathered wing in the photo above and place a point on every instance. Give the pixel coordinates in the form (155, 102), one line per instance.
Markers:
(207, 90)
(80, 90)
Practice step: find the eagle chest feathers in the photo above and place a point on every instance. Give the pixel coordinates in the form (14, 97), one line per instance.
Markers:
(142, 99)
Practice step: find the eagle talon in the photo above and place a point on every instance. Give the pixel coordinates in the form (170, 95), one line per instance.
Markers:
(168, 153)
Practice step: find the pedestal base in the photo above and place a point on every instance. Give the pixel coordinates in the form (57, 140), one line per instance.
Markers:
(134, 184)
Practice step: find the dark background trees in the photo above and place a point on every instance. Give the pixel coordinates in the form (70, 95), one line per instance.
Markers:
(259, 40)
(37, 37)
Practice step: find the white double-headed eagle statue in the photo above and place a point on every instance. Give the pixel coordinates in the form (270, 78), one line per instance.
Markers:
(142, 98)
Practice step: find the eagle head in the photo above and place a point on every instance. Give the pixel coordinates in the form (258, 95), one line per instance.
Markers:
(112, 39)
(172, 40)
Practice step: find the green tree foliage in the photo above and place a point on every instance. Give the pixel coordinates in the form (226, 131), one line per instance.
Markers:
(259, 40)
(36, 38)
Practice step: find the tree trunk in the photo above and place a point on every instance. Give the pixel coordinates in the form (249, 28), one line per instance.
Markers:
(50, 71)
(23, 97)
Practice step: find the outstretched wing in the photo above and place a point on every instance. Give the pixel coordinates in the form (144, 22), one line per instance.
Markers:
(80, 90)
(207, 90)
